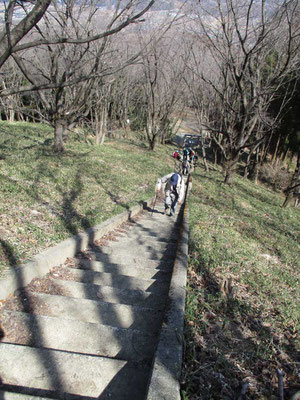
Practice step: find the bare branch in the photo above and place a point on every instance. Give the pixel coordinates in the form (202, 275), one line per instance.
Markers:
(66, 39)
(9, 38)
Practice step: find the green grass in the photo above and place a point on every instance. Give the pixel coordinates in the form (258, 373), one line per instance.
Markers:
(45, 197)
(240, 234)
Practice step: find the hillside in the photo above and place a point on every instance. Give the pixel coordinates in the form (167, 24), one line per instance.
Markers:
(242, 308)
(45, 198)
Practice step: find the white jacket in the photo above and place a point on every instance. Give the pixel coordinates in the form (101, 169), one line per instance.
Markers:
(161, 185)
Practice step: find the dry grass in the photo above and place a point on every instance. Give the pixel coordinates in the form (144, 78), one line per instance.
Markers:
(242, 311)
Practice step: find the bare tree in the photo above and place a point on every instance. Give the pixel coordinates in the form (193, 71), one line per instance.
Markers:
(57, 67)
(98, 109)
(126, 13)
(162, 85)
(65, 75)
(249, 52)
(11, 106)
(195, 99)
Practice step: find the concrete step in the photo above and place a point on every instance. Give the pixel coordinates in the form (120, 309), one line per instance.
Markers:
(164, 226)
(159, 222)
(154, 299)
(61, 375)
(19, 396)
(113, 280)
(127, 259)
(151, 237)
(142, 259)
(148, 251)
(101, 312)
(78, 336)
(139, 247)
(142, 272)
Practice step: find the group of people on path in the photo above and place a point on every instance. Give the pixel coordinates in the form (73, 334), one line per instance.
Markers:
(186, 158)
(173, 184)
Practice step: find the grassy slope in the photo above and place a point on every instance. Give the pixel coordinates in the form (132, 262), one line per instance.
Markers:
(240, 238)
(45, 198)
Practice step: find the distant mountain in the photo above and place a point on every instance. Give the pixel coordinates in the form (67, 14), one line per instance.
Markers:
(160, 5)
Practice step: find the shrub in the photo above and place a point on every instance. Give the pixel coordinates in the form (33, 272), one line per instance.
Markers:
(275, 175)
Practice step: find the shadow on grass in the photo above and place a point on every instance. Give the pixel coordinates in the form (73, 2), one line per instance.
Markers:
(69, 216)
(228, 345)
(140, 145)
(258, 221)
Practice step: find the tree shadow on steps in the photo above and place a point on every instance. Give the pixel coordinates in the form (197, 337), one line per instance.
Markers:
(44, 358)
(128, 372)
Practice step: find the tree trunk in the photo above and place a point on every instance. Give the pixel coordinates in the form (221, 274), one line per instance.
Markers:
(6, 114)
(274, 157)
(256, 167)
(151, 135)
(96, 122)
(288, 199)
(215, 157)
(11, 115)
(152, 143)
(204, 155)
(101, 123)
(246, 170)
(284, 155)
(125, 107)
(230, 168)
(293, 190)
(20, 116)
(59, 133)
(228, 177)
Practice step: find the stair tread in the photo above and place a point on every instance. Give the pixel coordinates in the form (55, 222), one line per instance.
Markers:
(131, 258)
(89, 275)
(77, 336)
(96, 311)
(147, 272)
(140, 245)
(108, 279)
(110, 294)
(61, 373)
(5, 395)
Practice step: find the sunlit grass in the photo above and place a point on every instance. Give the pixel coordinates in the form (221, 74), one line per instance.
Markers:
(242, 309)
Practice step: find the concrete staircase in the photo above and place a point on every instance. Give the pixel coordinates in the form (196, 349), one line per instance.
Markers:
(98, 336)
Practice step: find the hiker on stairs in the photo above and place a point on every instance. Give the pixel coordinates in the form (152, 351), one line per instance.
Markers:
(173, 186)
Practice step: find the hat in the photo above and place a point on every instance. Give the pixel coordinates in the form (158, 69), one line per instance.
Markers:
(174, 179)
